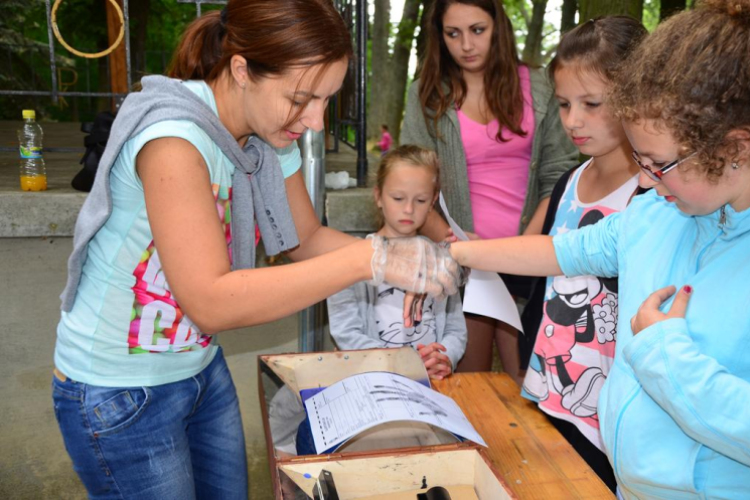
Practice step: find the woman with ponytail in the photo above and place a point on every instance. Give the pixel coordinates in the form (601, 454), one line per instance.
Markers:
(164, 250)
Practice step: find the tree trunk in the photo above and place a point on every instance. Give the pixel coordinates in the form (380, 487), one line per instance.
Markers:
(589, 9)
(399, 67)
(568, 18)
(139, 10)
(379, 75)
(422, 36)
(532, 49)
(669, 7)
(117, 65)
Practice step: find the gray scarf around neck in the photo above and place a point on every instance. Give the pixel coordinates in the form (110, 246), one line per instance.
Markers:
(258, 190)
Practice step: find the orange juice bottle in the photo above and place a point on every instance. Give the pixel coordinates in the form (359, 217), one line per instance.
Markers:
(33, 171)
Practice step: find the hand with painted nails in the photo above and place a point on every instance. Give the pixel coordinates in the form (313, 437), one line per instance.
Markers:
(649, 312)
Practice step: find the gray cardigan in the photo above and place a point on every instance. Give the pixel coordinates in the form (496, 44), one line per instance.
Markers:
(259, 192)
(552, 152)
(351, 315)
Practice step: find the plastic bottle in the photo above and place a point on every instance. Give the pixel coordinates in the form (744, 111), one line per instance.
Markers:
(33, 171)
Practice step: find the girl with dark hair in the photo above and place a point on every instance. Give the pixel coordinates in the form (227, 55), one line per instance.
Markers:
(164, 250)
(570, 322)
(673, 413)
(493, 122)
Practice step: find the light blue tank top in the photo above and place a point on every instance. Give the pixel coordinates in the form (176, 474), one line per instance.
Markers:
(125, 328)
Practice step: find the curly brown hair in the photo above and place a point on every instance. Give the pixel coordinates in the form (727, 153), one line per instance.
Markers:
(692, 77)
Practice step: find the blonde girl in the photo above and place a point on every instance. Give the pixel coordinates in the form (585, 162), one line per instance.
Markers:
(365, 316)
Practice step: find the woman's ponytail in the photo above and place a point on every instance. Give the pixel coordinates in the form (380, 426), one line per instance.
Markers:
(200, 48)
(271, 35)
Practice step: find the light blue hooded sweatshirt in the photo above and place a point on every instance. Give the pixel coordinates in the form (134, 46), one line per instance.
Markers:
(675, 410)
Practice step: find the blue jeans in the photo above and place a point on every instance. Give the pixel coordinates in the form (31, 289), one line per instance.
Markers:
(174, 441)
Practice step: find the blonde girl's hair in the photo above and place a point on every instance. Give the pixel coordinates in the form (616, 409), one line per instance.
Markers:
(692, 77)
(408, 154)
(599, 45)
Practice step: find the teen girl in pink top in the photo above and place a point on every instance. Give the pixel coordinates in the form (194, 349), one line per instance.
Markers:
(498, 171)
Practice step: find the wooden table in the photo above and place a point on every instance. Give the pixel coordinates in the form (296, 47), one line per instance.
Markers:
(531, 456)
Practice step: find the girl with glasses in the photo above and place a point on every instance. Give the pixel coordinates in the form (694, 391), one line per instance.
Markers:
(575, 317)
(673, 413)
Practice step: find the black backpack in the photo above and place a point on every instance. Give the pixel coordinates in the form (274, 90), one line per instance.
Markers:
(95, 142)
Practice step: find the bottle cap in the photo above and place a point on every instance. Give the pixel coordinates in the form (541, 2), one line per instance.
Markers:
(29, 114)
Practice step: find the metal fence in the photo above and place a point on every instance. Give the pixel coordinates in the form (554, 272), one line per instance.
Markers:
(347, 113)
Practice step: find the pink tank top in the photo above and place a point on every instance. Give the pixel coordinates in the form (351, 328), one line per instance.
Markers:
(498, 172)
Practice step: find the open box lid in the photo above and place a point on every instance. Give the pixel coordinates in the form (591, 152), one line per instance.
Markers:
(322, 369)
(399, 472)
(281, 378)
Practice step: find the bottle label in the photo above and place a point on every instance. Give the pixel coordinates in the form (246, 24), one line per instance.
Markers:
(30, 153)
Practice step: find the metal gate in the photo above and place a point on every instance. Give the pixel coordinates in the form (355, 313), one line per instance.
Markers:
(347, 113)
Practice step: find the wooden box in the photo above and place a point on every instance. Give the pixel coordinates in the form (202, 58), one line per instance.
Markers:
(390, 459)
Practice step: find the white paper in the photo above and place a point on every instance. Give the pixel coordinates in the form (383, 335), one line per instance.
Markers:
(363, 401)
(460, 234)
(485, 293)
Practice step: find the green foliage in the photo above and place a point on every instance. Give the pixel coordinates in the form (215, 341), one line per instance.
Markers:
(651, 10)
(24, 53)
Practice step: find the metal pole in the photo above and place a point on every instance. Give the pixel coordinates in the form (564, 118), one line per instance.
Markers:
(52, 64)
(129, 78)
(362, 93)
(312, 150)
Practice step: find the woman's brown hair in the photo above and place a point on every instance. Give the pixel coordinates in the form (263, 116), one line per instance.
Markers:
(411, 155)
(502, 86)
(272, 36)
(599, 45)
(692, 77)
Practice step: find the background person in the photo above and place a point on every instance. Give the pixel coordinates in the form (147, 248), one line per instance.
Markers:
(385, 140)
(364, 316)
(494, 124)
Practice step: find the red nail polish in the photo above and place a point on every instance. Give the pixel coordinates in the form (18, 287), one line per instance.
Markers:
(688, 289)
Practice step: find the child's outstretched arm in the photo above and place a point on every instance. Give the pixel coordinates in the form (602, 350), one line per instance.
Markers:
(524, 255)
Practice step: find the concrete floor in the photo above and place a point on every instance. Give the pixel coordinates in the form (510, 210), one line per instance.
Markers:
(33, 461)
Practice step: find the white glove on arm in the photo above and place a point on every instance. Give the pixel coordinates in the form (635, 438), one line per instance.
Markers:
(416, 265)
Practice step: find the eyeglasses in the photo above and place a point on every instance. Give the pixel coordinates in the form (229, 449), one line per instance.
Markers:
(656, 175)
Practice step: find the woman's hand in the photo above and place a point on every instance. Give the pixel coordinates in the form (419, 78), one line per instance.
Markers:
(416, 265)
(438, 365)
(649, 312)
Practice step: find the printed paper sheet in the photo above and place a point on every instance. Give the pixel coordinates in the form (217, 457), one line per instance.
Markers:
(363, 401)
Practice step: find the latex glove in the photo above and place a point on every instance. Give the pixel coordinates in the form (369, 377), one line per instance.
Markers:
(416, 265)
